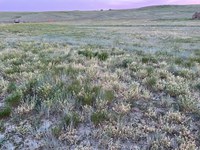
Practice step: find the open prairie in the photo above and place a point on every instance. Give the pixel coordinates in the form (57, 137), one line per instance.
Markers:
(118, 79)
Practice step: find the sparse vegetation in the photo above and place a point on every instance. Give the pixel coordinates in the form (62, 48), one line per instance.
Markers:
(114, 84)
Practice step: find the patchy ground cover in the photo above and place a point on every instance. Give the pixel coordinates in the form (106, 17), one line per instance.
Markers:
(100, 86)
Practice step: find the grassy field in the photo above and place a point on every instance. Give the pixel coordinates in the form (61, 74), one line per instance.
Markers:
(120, 79)
(156, 13)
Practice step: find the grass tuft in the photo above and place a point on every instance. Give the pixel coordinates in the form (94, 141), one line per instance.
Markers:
(5, 112)
(14, 99)
(72, 119)
(103, 56)
(11, 87)
(98, 117)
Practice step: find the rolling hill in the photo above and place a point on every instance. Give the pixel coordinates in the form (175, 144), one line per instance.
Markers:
(165, 12)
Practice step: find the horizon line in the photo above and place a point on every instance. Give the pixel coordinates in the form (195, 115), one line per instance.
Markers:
(112, 9)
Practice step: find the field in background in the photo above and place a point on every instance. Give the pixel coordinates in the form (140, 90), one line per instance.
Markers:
(119, 79)
(155, 13)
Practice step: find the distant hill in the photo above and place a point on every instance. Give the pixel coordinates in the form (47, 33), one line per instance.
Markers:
(164, 12)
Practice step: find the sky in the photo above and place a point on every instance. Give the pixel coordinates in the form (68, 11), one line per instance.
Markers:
(64, 5)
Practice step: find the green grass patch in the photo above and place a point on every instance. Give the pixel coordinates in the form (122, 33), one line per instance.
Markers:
(56, 131)
(98, 117)
(90, 54)
(109, 95)
(197, 86)
(89, 95)
(11, 87)
(14, 98)
(103, 56)
(126, 63)
(72, 119)
(151, 82)
(5, 112)
(149, 59)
